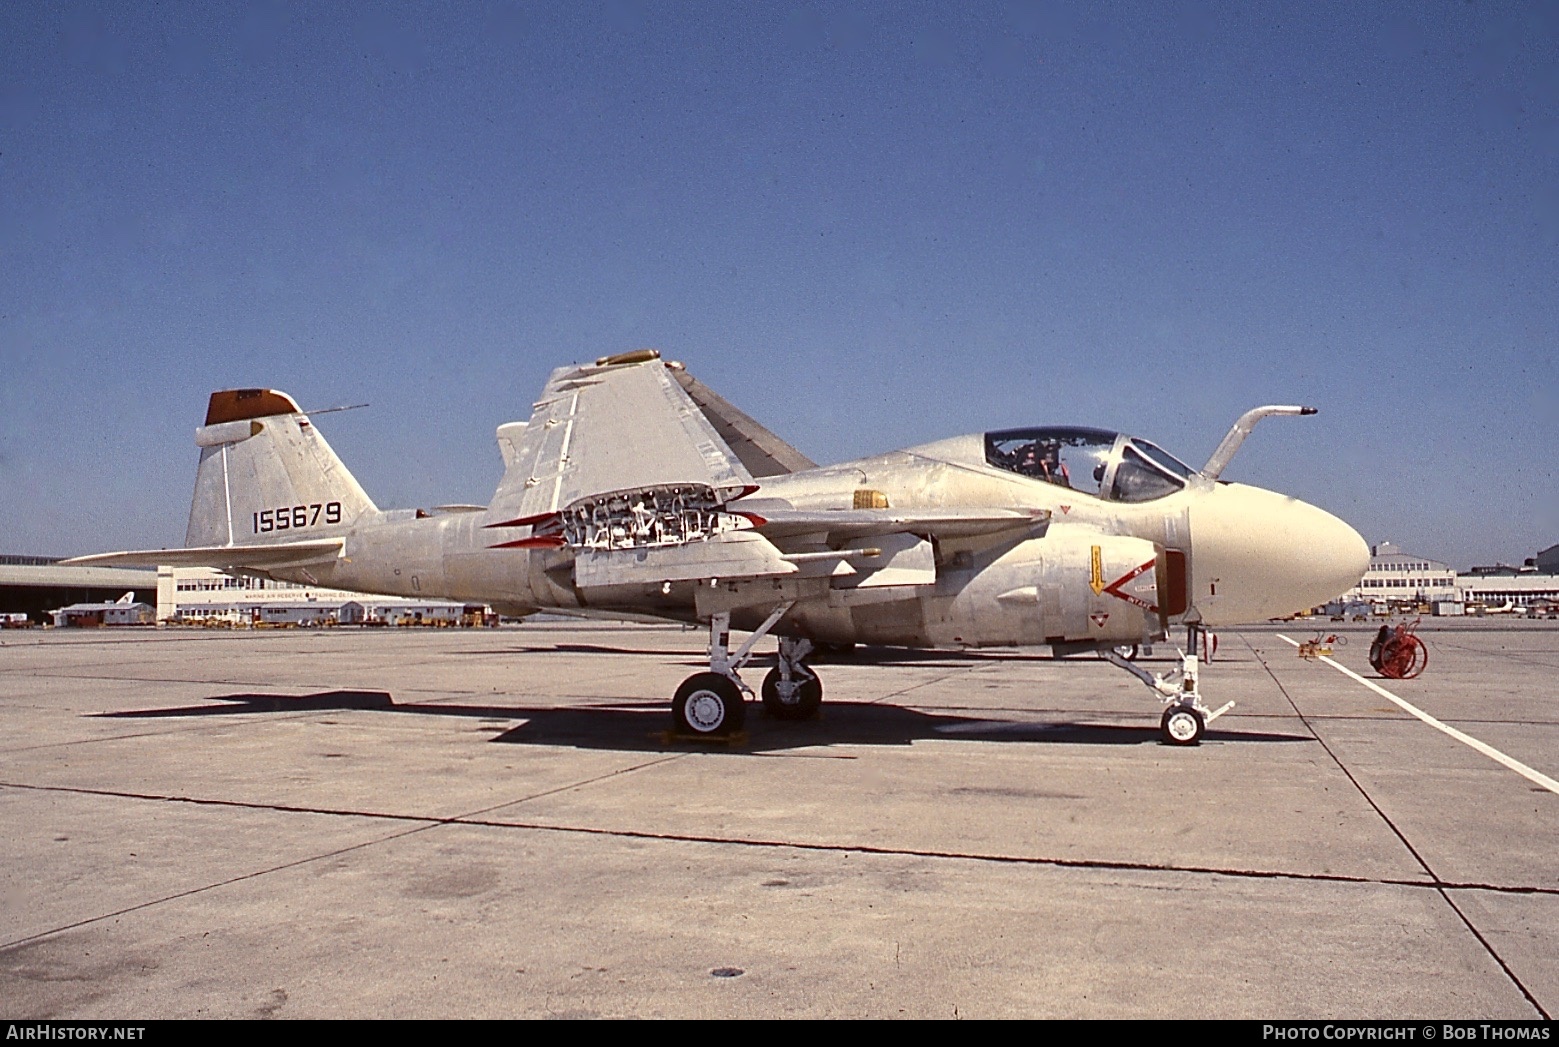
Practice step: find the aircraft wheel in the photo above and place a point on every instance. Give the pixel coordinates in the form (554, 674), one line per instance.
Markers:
(708, 704)
(804, 700)
(1182, 725)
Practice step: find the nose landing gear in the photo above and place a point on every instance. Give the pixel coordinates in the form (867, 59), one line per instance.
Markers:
(1182, 725)
(1185, 716)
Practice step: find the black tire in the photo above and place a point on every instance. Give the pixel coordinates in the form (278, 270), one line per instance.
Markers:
(804, 702)
(1182, 725)
(708, 705)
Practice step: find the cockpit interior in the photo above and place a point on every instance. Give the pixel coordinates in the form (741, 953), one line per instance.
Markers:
(1112, 466)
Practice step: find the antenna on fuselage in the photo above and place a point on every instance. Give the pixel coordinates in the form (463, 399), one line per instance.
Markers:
(1242, 427)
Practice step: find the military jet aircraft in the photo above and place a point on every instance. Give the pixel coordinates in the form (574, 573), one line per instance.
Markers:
(635, 490)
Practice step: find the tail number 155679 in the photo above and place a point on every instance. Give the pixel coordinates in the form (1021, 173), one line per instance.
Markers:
(290, 518)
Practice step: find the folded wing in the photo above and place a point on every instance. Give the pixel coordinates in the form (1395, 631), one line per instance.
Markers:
(621, 423)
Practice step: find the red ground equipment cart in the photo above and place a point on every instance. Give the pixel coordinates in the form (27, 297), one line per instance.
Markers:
(1397, 653)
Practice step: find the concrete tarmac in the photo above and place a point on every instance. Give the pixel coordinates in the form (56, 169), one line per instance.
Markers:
(494, 823)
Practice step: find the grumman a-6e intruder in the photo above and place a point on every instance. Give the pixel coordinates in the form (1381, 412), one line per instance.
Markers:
(636, 490)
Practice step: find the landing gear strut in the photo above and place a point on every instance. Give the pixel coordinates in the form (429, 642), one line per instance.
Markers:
(1185, 716)
(712, 704)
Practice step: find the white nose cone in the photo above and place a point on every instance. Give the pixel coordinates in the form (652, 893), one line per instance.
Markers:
(1256, 555)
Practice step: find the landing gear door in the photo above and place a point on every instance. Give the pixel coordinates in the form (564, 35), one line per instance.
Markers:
(1174, 566)
(1174, 585)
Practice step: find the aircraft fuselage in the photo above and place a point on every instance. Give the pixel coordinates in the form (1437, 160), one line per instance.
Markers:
(1248, 554)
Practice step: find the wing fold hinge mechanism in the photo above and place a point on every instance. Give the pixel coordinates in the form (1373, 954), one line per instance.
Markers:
(656, 534)
(657, 516)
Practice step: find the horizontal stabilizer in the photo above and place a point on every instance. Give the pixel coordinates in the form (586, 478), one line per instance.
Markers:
(223, 557)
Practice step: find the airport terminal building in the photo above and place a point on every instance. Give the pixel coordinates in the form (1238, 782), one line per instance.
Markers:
(1396, 578)
(1397, 575)
(206, 596)
(1510, 587)
(43, 590)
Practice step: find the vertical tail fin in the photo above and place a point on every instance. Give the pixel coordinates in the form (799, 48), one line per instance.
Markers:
(267, 475)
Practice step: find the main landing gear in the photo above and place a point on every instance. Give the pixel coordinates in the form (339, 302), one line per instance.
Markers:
(709, 704)
(791, 690)
(1185, 716)
(713, 704)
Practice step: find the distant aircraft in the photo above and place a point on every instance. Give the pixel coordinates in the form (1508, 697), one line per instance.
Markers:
(635, 490)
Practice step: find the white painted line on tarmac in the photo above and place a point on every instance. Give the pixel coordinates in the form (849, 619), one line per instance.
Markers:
(1466, 739)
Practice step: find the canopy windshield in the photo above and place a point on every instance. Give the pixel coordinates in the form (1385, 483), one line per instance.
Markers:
(1113, 466)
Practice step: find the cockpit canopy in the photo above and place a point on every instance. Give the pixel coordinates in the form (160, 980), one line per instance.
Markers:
(1112, 466)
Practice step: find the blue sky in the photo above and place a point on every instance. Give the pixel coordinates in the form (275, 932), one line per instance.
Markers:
(869, 225)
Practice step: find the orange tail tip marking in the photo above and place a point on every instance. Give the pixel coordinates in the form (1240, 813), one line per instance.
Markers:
(236, 405)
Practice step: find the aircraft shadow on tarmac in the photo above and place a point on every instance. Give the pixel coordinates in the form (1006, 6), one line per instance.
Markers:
(858, 656)
(643, 726)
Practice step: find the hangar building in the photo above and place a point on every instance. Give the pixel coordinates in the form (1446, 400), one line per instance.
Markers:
(206, 595)
(1395, 576)
(38, 585)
